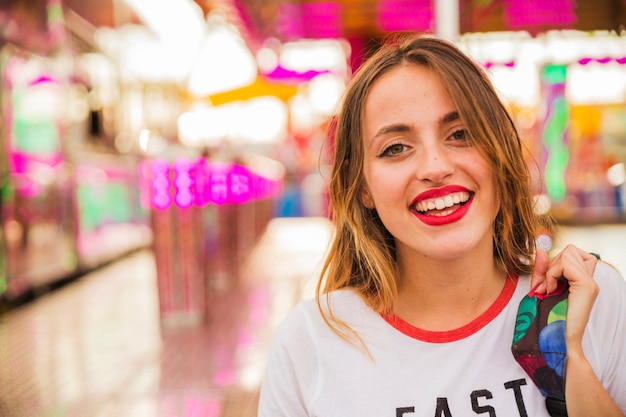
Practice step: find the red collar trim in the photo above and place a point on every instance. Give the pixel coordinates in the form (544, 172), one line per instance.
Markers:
(464, 331)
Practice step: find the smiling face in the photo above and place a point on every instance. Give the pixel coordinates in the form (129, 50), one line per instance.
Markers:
(432, 189)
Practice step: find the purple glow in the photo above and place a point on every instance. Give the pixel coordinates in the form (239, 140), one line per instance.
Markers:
(510, 64)
(539, 12)
(184, 199)
(42, 79)
(239, 184)
(322, 19)
(202, 186)
(606, 60)
(183, 183)
(160, 166)
(218, 184)
(21, 160)
(290, 21)
(182, 164)
(405, 15)
(160, 184)
(200, 183)
(283, 74)
(315, 19)
(26, 166)
(183, 180)
(161, 200)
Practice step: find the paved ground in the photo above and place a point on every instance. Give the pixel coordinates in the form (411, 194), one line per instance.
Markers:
(97, 347)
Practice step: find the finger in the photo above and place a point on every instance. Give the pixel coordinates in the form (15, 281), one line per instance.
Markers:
(554, 274)
(573, 255)
(572, 264)
(589, 259)
(538, 280)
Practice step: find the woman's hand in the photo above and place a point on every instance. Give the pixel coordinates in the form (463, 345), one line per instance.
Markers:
(577, 267)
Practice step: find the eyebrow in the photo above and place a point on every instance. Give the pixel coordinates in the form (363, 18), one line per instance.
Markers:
(400, 127)
(450, 117)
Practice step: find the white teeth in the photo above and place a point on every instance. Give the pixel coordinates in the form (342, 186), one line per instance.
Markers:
(442, 203)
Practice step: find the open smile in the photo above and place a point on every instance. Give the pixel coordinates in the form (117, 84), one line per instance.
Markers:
(442, 206)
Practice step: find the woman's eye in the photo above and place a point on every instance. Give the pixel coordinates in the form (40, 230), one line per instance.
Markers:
(459, 135)
(393, 150)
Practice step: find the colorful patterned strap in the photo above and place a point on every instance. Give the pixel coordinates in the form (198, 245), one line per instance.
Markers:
(539, 344)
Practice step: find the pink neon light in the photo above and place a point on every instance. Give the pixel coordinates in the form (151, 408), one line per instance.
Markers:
(199, 183)
(315, 19)
(183, 183)
(219, 178)
(520, 13)
(606, 60)
(239, 184)
(581, 61)
(405, 15)
(322, 19)
(510, 64)
(202, 182)
(284, 74)
(160, 183)
(42, 79)
(290, 21)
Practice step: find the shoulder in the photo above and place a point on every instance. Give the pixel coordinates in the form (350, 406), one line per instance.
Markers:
(610, 280)
(306, 320)
(606, 331)
(609, 309)
(611, 299)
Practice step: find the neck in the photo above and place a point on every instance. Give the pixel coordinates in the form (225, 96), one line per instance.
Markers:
(443, 295)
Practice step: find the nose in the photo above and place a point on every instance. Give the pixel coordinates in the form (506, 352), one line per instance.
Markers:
(435, 164)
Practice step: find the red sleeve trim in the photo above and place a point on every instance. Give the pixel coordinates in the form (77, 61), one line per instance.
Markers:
(462, 332)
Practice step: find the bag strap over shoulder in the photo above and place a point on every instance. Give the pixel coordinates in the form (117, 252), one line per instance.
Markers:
(539, 344)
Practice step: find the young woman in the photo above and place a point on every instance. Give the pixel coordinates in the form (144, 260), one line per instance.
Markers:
(433, 250)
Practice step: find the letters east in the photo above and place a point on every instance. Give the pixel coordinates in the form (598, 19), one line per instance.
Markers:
(478, 400)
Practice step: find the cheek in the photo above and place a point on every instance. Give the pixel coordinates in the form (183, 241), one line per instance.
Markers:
(384, 188)
(491, 186)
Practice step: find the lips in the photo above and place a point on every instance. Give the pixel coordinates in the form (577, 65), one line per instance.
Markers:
(442, 205)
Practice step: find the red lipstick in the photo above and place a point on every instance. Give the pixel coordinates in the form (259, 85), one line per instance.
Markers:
(456, 215)
(439, 192)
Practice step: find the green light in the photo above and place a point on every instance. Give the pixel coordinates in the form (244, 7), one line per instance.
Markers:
(554, 74)
(554, 132)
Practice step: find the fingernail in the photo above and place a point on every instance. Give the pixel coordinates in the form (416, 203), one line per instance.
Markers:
(533, 292)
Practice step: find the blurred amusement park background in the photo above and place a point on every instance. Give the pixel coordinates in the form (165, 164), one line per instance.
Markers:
(185, 126)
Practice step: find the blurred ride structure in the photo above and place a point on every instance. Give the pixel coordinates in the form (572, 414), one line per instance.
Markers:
(81, 120)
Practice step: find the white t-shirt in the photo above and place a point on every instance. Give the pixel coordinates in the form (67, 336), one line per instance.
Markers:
(414, 373)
